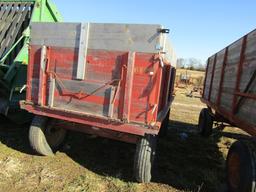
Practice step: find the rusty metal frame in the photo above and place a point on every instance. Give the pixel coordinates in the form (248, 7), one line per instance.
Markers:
(251, 129)
(86, 119)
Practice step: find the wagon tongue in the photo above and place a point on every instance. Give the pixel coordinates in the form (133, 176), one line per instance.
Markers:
(14, 18)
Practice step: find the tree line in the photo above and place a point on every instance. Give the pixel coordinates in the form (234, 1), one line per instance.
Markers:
(191, 64)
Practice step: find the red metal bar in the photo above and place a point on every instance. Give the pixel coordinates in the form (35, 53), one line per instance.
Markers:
(121, 91)
(248, 95)
(222, 76)
(157, 93)
(239, 73)
(206, 75)
(213, 69)
(167, 85)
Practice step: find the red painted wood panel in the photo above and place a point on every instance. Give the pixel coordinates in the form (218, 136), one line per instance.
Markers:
(106, 68)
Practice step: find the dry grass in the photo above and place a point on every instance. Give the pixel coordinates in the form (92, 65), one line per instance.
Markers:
(185, 161)
(190, 72)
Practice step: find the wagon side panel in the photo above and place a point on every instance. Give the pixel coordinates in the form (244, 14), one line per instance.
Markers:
(230, 77)
(246, 108)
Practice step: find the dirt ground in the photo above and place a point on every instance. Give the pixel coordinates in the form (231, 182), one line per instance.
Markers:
(185, 161)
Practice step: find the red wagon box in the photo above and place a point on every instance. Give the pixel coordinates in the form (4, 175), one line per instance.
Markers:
(111, 80)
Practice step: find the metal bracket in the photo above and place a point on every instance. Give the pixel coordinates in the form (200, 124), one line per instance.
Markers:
(51, 91)
(82, 53)
(164, 31)
(43, 61)
(245, 92)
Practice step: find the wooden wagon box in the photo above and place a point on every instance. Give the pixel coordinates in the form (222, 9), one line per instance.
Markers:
(112, 76)
(230, 83)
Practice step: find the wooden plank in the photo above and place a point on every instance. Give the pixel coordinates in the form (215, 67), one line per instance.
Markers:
(111, 102)
(82, 53)
(80, 107)
(128, 86)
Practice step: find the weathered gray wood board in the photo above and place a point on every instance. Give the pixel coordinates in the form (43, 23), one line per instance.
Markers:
(247, 108)
(112, 37)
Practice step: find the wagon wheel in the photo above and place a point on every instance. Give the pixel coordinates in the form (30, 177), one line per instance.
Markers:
(45, 136)
(205, 123)
(144, 158)
(164, 127)
(241, 170)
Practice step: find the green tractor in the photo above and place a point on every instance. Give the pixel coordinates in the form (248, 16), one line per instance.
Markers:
(15, 19)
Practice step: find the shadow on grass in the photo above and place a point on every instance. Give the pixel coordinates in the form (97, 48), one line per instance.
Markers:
(102, 156)
(184, 160)
(15, 136)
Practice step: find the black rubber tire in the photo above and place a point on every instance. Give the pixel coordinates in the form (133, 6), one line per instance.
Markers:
(41, 140)
(164, 127)
(144, 158)
(241, 167)
(205, 123)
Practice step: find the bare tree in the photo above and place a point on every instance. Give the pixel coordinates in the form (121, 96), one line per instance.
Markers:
(191, 63)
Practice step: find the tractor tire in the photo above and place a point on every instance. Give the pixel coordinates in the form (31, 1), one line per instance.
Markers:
(241, 167)
(164, 127)
(44, 138)
(144, 158)
(205, 123)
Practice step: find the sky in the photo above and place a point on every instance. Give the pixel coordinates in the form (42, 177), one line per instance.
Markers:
(198, 28)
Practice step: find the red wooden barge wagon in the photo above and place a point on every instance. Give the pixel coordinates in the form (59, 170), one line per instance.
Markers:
(111, 80)
(230, 94)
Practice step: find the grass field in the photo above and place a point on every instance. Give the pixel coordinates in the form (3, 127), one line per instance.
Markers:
(190, 72)
(185, 161)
